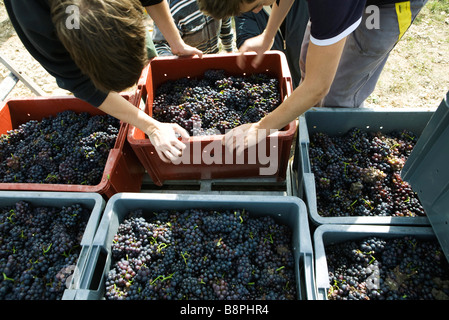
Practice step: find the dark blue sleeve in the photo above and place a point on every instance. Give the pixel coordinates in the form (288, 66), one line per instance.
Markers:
(247, 25)
(146, 3)
(332, 20)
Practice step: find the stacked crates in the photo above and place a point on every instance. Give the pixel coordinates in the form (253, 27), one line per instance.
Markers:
(427, 172)
(330, 231)
(121, 192)
(121, 189)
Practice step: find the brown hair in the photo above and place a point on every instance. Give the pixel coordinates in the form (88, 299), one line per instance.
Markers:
(108, 43)
(220, 9)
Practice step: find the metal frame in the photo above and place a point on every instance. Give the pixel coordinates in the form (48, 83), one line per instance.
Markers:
(8, 84)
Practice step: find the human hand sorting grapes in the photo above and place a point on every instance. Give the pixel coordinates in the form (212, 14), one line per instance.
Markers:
(162, 135)
(186, 50)
(244, 137)
(259, 44)
(164, 139)
(240, 137)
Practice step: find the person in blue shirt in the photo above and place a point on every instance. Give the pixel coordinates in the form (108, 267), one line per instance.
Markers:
(343, 53)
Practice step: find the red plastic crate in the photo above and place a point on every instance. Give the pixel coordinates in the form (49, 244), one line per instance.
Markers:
(162, 69)
(123, 171)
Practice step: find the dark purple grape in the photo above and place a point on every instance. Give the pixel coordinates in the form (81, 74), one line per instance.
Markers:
(201, 254)
(68, 148)
(219, 102)
(358, 174)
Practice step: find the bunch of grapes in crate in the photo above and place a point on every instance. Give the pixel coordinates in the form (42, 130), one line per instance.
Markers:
(359, 174)
(68, 148)
(39, 249)
(200, 254)
(397, 268)
(216, 102)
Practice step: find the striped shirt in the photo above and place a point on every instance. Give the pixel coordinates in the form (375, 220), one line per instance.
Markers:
(196, 29)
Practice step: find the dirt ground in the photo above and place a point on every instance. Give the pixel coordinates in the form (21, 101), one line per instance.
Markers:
(11, 48)
(416, 74)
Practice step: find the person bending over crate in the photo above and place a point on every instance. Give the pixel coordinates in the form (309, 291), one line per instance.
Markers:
(98, 48)
(346, 45)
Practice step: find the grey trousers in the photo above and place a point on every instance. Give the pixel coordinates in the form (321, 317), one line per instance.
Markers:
(366, 51)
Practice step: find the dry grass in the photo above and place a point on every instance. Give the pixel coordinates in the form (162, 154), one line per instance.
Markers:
(417, 72)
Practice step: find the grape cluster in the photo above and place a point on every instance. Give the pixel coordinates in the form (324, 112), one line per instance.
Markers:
(216, 102)
(68, 148)
(200, 255)
(39, 249)
(358, 174)
(375, 268)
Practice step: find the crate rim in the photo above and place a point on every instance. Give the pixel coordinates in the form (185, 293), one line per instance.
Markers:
(308, 178)
(122, 201)
(321, 269)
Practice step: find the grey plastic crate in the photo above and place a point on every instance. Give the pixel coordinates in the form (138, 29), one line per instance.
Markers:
(326, 235)
(427, 171)
(284, 209)
(92, 201)
(337, 121)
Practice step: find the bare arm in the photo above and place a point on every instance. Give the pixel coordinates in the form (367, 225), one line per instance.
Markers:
(162, 135)
(278, 14)
(264, 41)
(321, 66)
(160, 13)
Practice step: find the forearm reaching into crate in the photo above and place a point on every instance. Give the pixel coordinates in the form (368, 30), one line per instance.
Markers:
(162, 135)
(264, 41)
(321, 64)
(333, 24)
(161, 15)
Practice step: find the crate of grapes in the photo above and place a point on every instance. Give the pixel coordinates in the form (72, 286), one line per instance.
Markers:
(46, 238)
(65, 144)
(207, 97)
(348, 162)
(200, 247)
(427, 172)
(362, 262)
